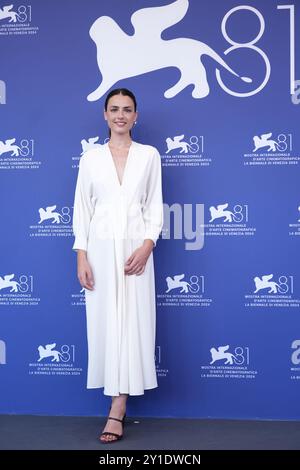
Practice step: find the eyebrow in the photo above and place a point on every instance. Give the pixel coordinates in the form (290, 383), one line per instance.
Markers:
(124, 107)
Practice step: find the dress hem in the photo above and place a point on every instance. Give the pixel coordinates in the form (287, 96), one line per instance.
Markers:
(122, 392)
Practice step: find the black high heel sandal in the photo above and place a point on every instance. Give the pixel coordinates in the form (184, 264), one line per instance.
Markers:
(118, 437)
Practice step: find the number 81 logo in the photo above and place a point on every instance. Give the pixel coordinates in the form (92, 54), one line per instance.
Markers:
(251, 45)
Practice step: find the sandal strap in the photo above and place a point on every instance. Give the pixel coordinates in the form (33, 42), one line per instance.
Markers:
(116, 419)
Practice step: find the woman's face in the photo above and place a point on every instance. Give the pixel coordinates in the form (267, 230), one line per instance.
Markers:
(120, 114)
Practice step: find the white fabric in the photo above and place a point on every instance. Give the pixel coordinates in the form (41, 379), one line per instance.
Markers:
(110, 221)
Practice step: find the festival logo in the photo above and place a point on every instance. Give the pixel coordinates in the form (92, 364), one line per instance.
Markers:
(181, 151)
(16, 20)
(270, 150)
(50, 213)
(7, 13)
(184, 292)
(18, 290)
(185, 54)
(18, 154)
(49, 353)
(270, 291)
(8, 282)
(10, 147)
(53, 221)
(55, 361)
(229, 219)
(228, 363)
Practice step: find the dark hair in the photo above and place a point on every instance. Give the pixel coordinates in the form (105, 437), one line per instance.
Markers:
(120, 91)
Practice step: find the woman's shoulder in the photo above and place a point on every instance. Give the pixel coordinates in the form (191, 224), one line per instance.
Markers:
(91, 154)
(146, 148)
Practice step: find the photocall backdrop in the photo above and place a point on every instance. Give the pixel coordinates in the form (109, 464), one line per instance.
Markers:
(217, 91)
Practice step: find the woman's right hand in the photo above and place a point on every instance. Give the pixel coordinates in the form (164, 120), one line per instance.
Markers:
(84, 271)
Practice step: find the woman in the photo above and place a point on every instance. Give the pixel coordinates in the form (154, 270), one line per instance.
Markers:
(118, 216)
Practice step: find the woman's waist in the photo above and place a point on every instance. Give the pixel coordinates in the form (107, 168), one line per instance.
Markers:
(111, 208)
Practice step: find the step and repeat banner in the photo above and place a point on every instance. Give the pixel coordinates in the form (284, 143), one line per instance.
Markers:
(218, 95)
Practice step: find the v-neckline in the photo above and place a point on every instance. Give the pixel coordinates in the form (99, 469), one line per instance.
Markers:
(120, 184)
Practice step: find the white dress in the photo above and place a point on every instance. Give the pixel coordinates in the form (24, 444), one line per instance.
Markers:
(110, 221)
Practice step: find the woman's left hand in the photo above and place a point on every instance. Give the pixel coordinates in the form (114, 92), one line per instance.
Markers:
(136, 263)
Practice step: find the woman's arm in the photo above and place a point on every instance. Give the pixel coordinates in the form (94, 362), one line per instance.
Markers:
(153, 218)
(83, 207)
(153, 206)
(84, 270)
(82, 215)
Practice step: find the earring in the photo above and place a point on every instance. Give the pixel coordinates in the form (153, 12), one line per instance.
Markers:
(135, 122)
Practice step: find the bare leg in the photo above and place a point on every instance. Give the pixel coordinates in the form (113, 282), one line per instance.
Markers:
(118, 410)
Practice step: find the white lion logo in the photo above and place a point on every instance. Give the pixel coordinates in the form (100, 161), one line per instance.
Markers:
(89, 144)
(6, 13)
(263, 141)
(146, 51)
(48, 351)
(264, 283)
(177, 283)
(176, 143)
(219, 212)
(49, 214)
(8, 147)
(219, 354)
(6, 281)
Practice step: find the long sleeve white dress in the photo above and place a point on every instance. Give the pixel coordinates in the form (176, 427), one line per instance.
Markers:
(111, 220)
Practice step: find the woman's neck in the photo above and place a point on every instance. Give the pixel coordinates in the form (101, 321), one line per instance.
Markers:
(120, 140)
